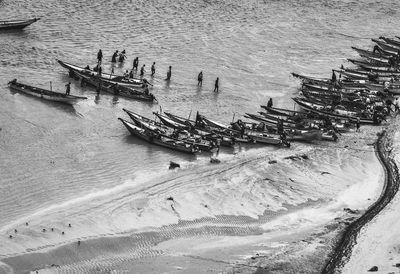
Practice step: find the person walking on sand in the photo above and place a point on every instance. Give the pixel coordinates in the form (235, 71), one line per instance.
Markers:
(358, 123)
(216, 87)
(169, 72)
(68, 90)
(200, 79)
(153, 68)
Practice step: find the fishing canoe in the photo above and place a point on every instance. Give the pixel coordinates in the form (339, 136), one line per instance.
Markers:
(385, 46)
(115, 88)
(157, 139)
(224, 138)
(168, 132)
(111, 78)
(332, 113)
(16, 24)
(369, 53)
(390, 41)
(44, 93)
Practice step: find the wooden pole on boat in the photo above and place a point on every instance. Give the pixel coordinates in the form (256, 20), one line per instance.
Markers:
(51, 86)
(189, 115)
(233, 117)
(112, 71)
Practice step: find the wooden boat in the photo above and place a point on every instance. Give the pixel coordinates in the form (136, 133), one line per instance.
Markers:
(157, 139)
(176, 133)
(293, 134)
(370, 62)
(333, 112)
(393, 89)
(114, 88)
(370, 53)
(111, 78)
(225, 138)
(385, 46)
(16, 24)
(390, 41)
(356, 75)
(45, 94)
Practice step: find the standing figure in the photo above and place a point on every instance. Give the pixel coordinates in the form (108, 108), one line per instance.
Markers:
(358, 123)
(68, 90)
(200, 79)
(114, 57)
(135, 63)
(99, 56)
(122, 56)
(269, 104)
(169, 72)
(142, 70)
(153, 68)
(216, 87)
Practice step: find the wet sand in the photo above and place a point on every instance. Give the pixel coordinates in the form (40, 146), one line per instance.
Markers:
(298, 237)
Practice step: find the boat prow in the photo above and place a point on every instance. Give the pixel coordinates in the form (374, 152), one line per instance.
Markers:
(16, 24)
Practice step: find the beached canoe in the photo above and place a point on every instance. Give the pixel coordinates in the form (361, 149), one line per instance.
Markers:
(16, 24)
(158, 139)
(111, 78)
(44, 93)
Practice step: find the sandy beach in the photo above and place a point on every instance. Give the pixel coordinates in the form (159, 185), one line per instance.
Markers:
(196, 231)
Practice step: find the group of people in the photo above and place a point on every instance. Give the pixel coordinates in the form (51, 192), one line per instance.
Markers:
(200, 81)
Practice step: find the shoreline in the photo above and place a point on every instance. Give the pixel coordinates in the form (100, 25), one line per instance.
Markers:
(343, 249)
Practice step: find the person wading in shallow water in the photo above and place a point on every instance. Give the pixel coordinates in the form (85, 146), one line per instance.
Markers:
(99, 57)
(142, 70)
(216, 87)
(269, 104)
(68, 90)
(169, 72)
(114, 57)
(200, 79)
(153, 68)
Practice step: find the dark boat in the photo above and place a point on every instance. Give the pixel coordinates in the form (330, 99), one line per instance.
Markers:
(333, 112)
(44, 93)
(168, 132)
(16, 24)
(111, 78)
(157, 139)
(115, 88)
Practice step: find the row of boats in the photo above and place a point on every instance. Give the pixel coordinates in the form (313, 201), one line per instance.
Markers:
(358, 95)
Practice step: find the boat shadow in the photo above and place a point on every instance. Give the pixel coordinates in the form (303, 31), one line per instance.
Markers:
(59, 106)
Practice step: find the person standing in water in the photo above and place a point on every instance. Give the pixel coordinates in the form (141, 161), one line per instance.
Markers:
(135, 63)
(200, 79)
(216, 87)
(153, 68)
(142, 71)
(99, 57)
(114, 57)
(68, 90)
(169, 72)
(269, 104)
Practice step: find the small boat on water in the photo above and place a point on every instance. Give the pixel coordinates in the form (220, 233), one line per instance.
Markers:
(44, 93)
(153, 137)
(16, 24)
(111, 78)
(115, 88)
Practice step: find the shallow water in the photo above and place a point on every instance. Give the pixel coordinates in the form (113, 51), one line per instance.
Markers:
(65, 160)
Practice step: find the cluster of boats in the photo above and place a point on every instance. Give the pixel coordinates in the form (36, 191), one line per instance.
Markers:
(132, 88)
(362, 94)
